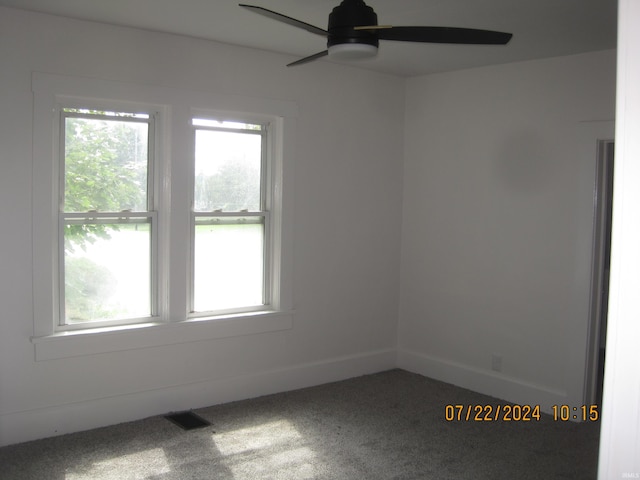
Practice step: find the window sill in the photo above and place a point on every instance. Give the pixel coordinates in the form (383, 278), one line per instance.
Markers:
(130, 337)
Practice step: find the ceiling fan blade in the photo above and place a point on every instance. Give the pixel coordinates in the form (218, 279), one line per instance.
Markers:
(467, 36)
(310, 58)
(283, 18)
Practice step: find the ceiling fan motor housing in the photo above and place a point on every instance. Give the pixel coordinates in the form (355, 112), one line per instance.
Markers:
(349, 14)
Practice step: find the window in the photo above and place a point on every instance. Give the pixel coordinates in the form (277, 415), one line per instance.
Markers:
(107, 221)
(156, 221)
(230, 222)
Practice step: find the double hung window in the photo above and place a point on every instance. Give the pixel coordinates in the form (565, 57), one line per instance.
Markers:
(107, 220)
(230, 222)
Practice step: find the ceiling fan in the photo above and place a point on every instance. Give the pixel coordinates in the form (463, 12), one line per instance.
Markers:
(353, 32)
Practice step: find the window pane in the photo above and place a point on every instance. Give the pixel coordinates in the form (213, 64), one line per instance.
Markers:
(227, 169)
(228, 263)
(105, 165)
(107, 271)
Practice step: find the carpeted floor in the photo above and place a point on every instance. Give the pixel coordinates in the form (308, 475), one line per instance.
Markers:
(385, 426)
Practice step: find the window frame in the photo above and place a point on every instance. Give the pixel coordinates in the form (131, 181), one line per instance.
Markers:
(175, 109)
(123, 217)
(266, 192)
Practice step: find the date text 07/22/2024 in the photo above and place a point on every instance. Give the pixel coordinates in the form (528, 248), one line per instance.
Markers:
(518, 413)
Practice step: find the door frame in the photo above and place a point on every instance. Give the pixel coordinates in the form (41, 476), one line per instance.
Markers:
(602, 196)
(595, 136)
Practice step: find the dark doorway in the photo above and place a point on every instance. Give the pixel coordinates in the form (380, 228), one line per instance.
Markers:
(602, 260)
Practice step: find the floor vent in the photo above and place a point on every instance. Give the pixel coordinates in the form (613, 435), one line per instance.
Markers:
(187, 420)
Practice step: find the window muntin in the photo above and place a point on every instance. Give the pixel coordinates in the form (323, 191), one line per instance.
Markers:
(230, 223)
(107, 225)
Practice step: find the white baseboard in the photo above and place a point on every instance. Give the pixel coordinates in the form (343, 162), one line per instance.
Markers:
(18, 427)
(482, 381)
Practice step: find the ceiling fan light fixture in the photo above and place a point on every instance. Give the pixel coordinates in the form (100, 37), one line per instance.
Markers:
(352, 51)
(353, 32)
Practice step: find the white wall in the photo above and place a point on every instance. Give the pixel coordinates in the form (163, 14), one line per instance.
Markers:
(497, 225)
(620, 431)
(346, 229)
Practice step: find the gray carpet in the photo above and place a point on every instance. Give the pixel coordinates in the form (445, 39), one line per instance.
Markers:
(385, 426)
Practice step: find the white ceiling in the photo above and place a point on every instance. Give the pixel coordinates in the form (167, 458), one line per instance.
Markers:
(541, 28)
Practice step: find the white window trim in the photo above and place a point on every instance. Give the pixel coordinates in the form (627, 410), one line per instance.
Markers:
(176, 107)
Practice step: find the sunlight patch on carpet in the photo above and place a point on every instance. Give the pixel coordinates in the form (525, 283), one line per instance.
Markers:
(143, 464)
(256, 438)
(271, 447)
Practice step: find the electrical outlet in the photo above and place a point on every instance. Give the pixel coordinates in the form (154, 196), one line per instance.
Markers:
(496, 362)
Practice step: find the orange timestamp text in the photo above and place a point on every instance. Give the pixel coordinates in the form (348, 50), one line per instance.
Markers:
(492, 413)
